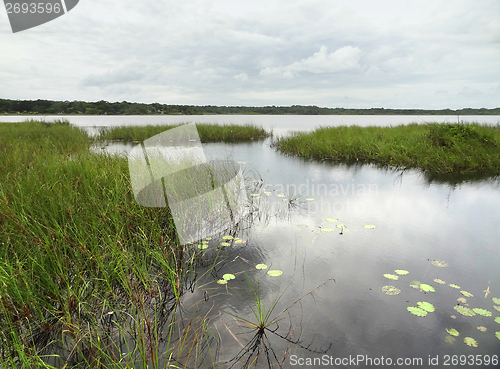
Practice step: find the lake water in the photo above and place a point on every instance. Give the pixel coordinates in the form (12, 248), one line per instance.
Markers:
(418, 220)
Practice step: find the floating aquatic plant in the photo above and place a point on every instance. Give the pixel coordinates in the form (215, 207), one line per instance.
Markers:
(228, 237)
(310, 199)
(327, 229)
(208, 238)
(454, 286)
(482, 312)
(331, 220)
(439, 263)
(416, 311)
(482, 329)
(497, 308)
(280, 195)
(497, 334)
(469, 341)
(391, 290)
(369, 226)
(391, 276)
(240, 241)
(415, 284)
(228, 276)
(225, 244)
(202, 246)
(302, 226)
(464, 310)
(340, 226)
(427, 288)
(462, 300)
(261, 266)
(466, 294)
(427, 306)
(222, 281)
(275, 273)
(401, 272)
(497, 319)
(452, 332)
(440, 281)
(496, 300)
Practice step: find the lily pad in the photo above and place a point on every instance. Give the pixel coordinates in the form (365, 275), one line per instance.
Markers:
(340, 226)
(370, 226)
(275, 273)
(497, 308)
(440, 281)
(221, 281)
(482, 312)
(416, 311)
(228, 237)
(464, 310)
(427, 306)
(449, 339)
(255, 194)
(462, 300)
(452, 332)
(497, 334)
(225, 244)
(391, 290)
(466, 294)
(228, 276)
(482, 329)
(454, 286)
(202, 246)
(280, 195)
(469, 341)
(327, 229)
(261, 266)
(496, 300)
(497, 319)
(439, 263)
(391, 276)
(208, 238)
(331, 220)
(310, 199)
(401, 272)
(240, 241)
(427, 288)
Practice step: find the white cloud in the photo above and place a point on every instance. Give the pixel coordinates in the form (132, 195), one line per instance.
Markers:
(242, 77)
(345, 58)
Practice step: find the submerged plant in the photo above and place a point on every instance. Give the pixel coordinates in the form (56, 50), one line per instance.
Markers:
(391, 290)
(439, 263)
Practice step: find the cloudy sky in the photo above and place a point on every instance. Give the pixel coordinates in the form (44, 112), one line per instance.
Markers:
(354, 54)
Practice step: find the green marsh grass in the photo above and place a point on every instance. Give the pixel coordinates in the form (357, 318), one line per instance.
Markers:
(435, 148)
(207, 132)
(88, 278)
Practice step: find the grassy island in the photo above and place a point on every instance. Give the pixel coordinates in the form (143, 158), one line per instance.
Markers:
(434, 148)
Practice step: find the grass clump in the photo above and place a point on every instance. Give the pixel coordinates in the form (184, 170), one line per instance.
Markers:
(207, 132)
(434, 148)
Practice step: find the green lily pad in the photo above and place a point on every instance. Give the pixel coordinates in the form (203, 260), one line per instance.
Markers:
(391, 276)
(401, 272)
(267, 193)
(340, 226)
(497, 319)
(416, 311)
(310, 199)
(439, 263)
(440, 281)
(452, 332)
(464, 310)
(469, 341)
(275, 273)
(225, 244)
(261, 266)
(482, 312)
(462, 300)
(497, 308)
(327, 229)
(391, 290)
(228, 276)
(228, 237)
(208, 238)
(331, 220)
(221, 281)
(497, 334)
(496, 300)
(370, 226)
(454, 286)
(255, 194)
(240, 241)
(280, 195)
(427, 288)
(202, 246)
(427, 306)
(482, 329)
(466, 294)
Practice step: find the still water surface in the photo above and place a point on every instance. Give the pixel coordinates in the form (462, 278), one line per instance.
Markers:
(417, 220)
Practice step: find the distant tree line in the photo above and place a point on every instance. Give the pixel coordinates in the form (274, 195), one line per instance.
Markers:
(128, 108)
